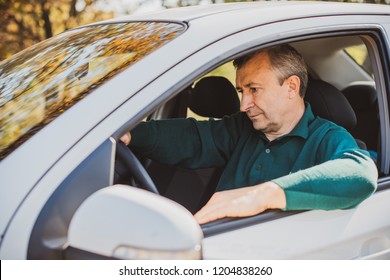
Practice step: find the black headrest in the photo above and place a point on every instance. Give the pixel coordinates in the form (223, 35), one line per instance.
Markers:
(329, 103)
(361, 97)
(214, 97)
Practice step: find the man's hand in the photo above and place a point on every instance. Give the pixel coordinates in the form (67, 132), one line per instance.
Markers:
(242, 202)
(126, 138)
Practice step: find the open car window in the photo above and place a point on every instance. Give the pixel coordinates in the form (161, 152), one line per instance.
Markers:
(200, 184)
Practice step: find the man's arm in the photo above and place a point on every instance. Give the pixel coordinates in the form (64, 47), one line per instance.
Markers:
(186, 142)
(242, 202)
(346, 176)
(336, 184)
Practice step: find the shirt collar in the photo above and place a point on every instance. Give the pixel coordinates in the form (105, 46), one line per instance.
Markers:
(302, 128)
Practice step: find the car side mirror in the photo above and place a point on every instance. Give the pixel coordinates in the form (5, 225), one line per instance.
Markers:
(124, 222)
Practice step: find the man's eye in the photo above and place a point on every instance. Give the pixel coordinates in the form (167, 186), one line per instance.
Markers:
(253, 90)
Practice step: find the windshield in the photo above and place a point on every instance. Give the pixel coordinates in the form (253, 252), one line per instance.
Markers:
(42, 82)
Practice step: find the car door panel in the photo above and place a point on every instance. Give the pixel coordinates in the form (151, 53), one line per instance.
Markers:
(336, 234)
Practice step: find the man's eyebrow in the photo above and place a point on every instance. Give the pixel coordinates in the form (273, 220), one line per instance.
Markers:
(252, 84)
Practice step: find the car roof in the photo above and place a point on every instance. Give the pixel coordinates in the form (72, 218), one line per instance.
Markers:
(267, 10)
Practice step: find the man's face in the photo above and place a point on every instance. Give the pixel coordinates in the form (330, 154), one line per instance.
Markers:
(264, 100)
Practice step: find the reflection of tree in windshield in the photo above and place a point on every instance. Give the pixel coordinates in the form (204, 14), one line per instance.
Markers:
(43, 81)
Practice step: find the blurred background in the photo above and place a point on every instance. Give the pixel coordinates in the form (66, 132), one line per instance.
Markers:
(26, 22)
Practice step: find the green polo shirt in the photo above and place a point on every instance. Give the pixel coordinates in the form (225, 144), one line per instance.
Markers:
(318, 164)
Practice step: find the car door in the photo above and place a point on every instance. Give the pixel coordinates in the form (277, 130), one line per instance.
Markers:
(362, 232)
(343, 234)
(355, 233)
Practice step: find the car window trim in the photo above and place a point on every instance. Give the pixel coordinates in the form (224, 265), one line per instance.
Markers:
(376, 33)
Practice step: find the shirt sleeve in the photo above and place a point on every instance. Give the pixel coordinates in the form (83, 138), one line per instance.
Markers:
(346, 176)
(186, 142)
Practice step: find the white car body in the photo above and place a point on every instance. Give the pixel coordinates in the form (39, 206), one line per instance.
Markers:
(215, 34)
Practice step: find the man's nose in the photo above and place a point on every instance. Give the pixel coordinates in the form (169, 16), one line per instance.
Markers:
(246, 102)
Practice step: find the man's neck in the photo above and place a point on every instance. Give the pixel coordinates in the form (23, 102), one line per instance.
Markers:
(291, 122)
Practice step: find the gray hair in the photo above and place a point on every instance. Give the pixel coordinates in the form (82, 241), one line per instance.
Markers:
(285, 60)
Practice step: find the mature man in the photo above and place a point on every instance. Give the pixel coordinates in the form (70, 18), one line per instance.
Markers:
(276, 154)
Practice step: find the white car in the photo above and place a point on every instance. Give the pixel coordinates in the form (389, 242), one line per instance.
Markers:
(68, 190)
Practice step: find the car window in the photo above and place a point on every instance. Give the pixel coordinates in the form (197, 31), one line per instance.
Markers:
(40, 83)
(359, 54)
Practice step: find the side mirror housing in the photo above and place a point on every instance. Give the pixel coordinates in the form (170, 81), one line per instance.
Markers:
(124, 222)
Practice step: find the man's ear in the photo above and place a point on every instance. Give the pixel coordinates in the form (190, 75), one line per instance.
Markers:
(293, 83)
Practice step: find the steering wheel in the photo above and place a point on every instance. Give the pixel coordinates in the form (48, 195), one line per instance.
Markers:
(131, 162)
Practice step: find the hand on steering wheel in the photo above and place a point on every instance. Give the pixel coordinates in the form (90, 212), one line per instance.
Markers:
(127, 157)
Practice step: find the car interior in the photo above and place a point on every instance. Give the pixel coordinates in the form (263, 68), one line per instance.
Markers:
(350, 102)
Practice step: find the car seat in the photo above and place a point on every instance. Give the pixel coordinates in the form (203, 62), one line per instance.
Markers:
(329, 103)
(214, 97)
(363, 99)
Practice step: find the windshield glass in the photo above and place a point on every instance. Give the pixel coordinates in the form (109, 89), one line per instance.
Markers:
(42, 82)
